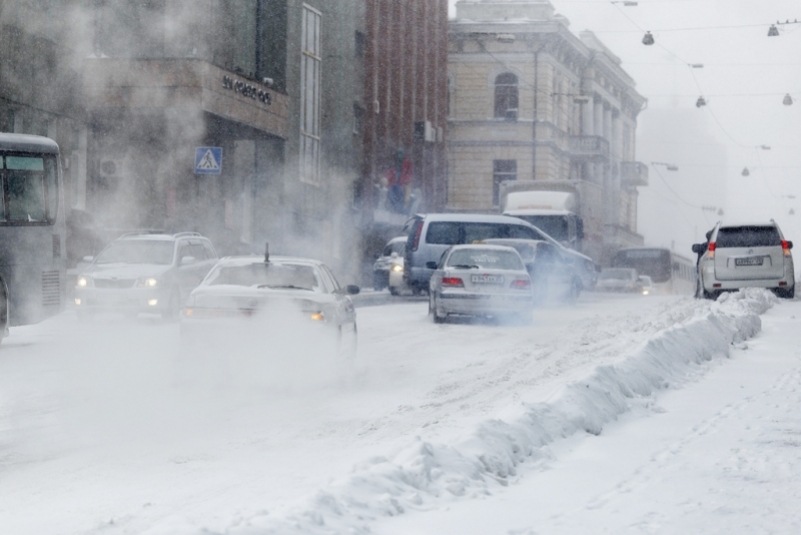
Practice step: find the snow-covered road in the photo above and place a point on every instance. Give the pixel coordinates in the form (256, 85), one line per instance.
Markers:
(104, 428)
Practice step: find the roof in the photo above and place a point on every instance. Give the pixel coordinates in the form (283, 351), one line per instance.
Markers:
(255, 259)
(159, 236)
(27, 143)
(482, 246)
(473, 218)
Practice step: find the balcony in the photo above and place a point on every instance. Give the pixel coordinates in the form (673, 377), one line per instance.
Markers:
(633, 174)
(589, 148)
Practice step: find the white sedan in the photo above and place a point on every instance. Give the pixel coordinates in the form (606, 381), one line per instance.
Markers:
(480, 280)
(269, 301)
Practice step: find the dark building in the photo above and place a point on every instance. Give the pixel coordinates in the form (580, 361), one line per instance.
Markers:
(405, 114)
(132, 90)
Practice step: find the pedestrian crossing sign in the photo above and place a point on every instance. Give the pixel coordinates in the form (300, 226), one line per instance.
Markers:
(208, 160)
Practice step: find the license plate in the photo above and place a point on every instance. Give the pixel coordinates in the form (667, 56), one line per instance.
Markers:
(487, 279)
(750, 261)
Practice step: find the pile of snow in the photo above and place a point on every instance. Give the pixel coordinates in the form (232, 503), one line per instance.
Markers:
(426, 475)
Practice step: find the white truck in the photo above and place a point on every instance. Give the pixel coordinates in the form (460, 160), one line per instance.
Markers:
(551, 206)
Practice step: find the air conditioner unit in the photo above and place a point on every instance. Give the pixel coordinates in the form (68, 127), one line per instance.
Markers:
(425, 131)
(111, 167)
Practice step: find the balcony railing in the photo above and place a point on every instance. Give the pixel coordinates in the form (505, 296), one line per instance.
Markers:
(634, 173)
(589, 148)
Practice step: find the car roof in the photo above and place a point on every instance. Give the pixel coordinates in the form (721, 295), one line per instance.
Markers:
(525, 241)
(398, 239)
(160, 236)
(246, 260)
(750, 224)
(483, 246)
(473, 218)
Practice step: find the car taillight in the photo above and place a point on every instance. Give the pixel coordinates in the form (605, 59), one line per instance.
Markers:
(521, 284)
(711, 250)
(452, 282)
(786, 247)
(418, 231)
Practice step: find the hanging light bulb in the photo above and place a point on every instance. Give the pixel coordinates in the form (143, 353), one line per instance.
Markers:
(720, 211)
(700, 102)
(773, 31)
(788, 100)
(648, 39)
(745, 172)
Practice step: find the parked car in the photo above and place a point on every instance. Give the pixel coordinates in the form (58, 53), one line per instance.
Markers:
(746, 255)
(480, 280)
(647, 284)
(619, 280)
(552, 276)
(269, 294)
(388, 267)
(144, 273)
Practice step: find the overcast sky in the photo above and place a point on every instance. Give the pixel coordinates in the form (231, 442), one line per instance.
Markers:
(744, 79)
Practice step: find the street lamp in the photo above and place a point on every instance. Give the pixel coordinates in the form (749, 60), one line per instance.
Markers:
(700, 102)
(746, 172)
(788, 100)
(648, 39)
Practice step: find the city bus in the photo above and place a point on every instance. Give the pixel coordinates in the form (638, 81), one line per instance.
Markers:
(32, 231)
(669, 272)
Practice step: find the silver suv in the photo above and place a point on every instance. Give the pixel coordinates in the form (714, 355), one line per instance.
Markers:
(742, 256)
(144, 273)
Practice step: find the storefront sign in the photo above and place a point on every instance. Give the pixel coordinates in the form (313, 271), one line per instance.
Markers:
(247, 90)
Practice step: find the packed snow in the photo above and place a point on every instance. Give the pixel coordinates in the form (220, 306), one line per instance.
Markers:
(110, 429)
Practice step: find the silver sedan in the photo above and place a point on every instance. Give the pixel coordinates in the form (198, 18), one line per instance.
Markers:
(480, 280)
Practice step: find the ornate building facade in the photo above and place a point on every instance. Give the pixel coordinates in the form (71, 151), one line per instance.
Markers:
(529, 100)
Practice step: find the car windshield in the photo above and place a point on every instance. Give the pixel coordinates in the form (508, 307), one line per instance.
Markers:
(615, 274)
(484, 259)
(748, 236)
(555, 226)
(137, 252)
(276, 276)
(395, 247)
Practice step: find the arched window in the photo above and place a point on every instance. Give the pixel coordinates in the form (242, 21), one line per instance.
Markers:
(506, 96)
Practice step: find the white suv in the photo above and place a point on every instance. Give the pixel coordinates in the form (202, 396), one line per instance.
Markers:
(742, 256)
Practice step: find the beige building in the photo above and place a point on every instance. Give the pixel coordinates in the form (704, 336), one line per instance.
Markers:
(529, 100)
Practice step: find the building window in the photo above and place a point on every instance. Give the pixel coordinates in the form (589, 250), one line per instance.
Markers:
(358, 119)
(502, 170)
(311, 67)
(360, 42)
(506, 96)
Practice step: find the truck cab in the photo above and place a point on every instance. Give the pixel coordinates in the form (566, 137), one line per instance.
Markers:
(551, 207)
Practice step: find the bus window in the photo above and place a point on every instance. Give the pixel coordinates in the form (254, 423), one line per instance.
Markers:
(26, 189)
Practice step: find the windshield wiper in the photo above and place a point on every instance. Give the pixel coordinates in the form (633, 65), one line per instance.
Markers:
(281, 287)
(465, 266)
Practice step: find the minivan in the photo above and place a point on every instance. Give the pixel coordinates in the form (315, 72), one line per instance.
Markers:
(742, 256)
(430, 235)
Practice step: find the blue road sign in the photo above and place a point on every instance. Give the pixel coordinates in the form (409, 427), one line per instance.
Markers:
(208, 160)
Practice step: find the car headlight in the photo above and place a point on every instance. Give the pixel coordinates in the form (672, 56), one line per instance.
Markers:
(148, 282)
(397, 268)
(82, 282)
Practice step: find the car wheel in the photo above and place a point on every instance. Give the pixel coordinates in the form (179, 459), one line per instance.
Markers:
(394, 291)
(785, 293)
(432, 307)
(173, 306)
(416, 291)
(575, 291)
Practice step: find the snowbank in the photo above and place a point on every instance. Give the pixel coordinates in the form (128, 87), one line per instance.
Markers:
(426, 475)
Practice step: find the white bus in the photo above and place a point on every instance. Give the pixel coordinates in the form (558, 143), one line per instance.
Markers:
(32, 231)
(669, 272)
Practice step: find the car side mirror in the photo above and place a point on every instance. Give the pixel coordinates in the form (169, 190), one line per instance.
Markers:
(352, 289)
(698, 248)
(431, 265)
(88, 259)
(394, 254)
(789, 244)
